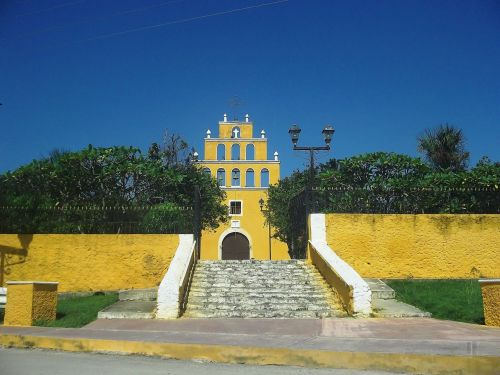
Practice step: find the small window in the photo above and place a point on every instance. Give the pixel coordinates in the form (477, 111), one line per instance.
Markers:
(235, 177)
(264, 178)
(221, 177)
(250, 152)
(249, 180)
(221, 152)
(206, 171)
(235, 151)
(235, 208)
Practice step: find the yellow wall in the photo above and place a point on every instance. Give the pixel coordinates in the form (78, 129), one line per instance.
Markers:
(491, 303)
(420, 246)
(87, 262)
(260, 148)
(253, 222)
(226, 129)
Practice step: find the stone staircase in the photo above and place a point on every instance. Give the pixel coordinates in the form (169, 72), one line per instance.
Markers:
(260, 289)
(385, 304)
(132, 304)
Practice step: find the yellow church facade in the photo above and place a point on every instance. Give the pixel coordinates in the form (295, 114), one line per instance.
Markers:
(239, 161)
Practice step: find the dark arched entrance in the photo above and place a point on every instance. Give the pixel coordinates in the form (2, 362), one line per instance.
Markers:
(235, 246)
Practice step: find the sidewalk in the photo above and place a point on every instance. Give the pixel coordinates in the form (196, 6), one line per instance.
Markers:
(420, 345)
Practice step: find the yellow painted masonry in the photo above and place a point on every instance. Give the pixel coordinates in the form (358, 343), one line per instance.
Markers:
(417, 246)
(491, 302)
(87, 262)
(260, 145)
(252, 223)
(18, 310)
(29, 302)
(274, 171)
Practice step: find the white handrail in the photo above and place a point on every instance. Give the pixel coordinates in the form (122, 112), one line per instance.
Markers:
(173, 287)
(353, 290)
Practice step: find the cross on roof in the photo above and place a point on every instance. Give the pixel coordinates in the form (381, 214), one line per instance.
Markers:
(236, 131)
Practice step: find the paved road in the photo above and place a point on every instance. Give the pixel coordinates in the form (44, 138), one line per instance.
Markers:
(38, 362)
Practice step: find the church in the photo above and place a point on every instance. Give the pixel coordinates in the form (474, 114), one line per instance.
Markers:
(239, 161)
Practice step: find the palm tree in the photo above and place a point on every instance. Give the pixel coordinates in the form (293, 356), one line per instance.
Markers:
(444, 148)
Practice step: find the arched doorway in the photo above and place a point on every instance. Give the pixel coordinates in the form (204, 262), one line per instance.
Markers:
(235, 246)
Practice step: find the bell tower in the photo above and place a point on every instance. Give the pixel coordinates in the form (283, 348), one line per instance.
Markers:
(239, 161)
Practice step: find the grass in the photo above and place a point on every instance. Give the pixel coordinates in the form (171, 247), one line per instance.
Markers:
(458, 300)
(78, 311)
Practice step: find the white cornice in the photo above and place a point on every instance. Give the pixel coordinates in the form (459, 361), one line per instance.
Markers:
(233, 188)
(236, 139)
(238, 162)
(235, 122)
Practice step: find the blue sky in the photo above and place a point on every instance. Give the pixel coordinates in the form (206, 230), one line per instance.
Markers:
(122, 72)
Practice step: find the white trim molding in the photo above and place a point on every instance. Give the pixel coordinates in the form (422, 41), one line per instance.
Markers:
(174, 286)
(217, 139)
(353, 290)
(238, 162)
(3, 297)
(241, 207)
(243, 188)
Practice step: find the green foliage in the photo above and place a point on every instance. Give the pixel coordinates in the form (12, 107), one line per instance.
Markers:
(76, 312)
(459, 300)
(392, 183)
(444, 148)
(104, 190)
(278, 213)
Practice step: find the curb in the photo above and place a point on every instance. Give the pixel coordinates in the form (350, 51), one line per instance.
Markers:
(399, 362)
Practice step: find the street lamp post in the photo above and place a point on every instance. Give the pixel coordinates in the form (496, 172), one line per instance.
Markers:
(294, 132)
(261, 204)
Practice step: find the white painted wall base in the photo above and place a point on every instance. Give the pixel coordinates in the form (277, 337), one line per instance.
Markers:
(173, 286)
(360, 291)
(3, 297)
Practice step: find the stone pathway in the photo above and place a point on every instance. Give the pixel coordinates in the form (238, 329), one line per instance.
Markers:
(415, 345)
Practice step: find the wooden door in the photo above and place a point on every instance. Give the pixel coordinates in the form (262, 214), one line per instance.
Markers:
(235, 246)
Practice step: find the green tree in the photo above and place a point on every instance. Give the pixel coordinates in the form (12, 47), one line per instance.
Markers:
(279, 210)
(444, 148)
(96, 189)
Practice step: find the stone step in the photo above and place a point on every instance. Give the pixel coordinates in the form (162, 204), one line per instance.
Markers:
(380, 290)
(256, 285)
(258, 303)
(390, 308)
(138, 294)
(262, 294)
(262, 298)
(261, 305)
(129, 310)
(252, 261)
(246, 270)
(251, 276)
(276, 314)
(233, 289)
